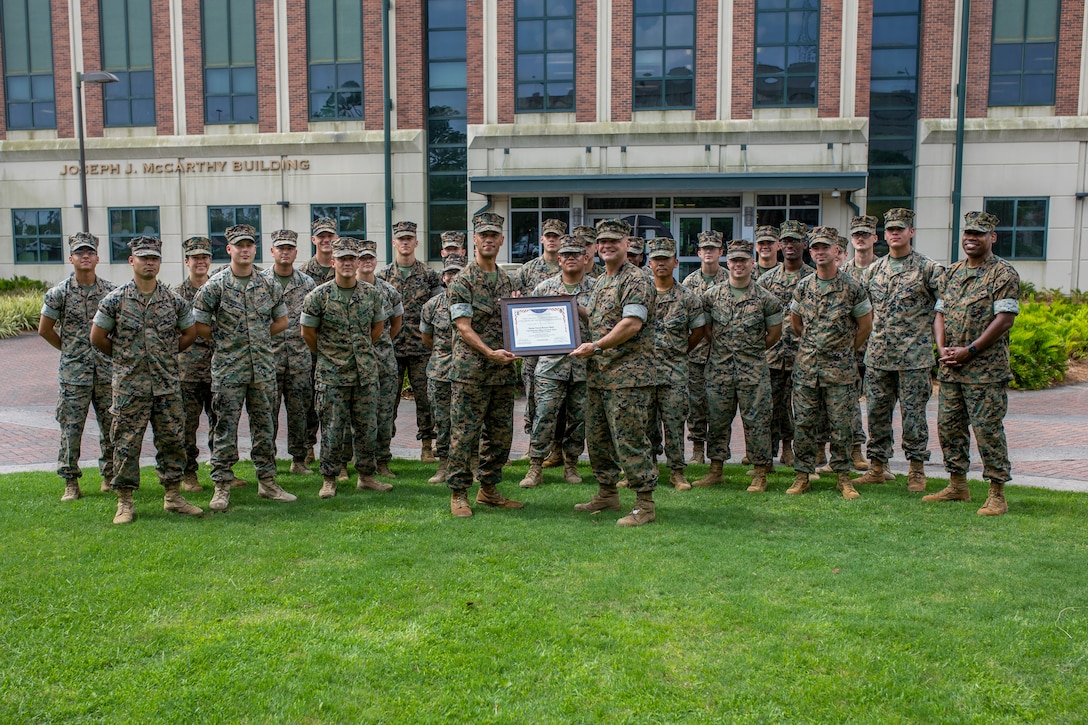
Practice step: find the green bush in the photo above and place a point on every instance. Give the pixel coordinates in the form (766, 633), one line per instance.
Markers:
(1043, 340)
(21, 284)
(19, 312)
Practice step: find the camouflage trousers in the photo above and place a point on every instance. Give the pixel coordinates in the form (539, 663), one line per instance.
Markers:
(724, 398)
(131, 414)
(859, 428)
(528, 380)
(810, 404)
(73, 403)
(294, 392)
(195, 397)
(416, 367)
(551, 398)
(669, 410)
(227, 404)
(481, 419)
(697, 422)
(349, 422)
(912, 388)
(983, 408)
(312, 422)
(441, 392)
(616, 423)
(781, 406)
(388, 394)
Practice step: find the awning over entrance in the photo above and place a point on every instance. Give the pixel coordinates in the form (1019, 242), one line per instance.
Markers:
(668, 183)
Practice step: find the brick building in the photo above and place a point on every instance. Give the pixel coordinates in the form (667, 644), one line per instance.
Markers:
(684, 114)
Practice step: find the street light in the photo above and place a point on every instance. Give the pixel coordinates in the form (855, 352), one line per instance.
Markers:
(96, 76)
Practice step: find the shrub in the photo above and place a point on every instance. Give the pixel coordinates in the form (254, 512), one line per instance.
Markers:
(19, 312)
(1043, 339)
(21, 284)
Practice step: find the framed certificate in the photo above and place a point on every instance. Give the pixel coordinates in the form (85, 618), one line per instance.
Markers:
(540, 325)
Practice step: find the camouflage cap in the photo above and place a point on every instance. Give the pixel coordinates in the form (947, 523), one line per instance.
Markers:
(739, 249)
(553, 226)
(284, 238)
(571, 245)
(841, 242)
(82, 240)
(146, 247)
(453, 239)
(636, 245)
(345, 247)
(793, 229)
(322, 224)
(194, 246)
(487, 222)
(898, 217)
(711, 239)
(980, 221)
(766, 233)
(240, 233)
(404, 229)
(823, 235)
(454, 262)
(588, 235)
(865, 224)
(612, 229)
(661, 247)
(368, 248)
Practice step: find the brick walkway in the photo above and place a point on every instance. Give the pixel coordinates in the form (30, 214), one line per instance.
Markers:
(1047, 430)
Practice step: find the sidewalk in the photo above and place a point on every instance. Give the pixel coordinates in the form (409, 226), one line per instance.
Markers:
(1047, 430)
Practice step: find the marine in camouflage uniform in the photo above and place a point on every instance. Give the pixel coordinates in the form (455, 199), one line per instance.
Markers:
(241, 312)
(322, 233)
(341, 320)
(710, 273)
(437, 328)
(832, 316)
(620, 377)
(977, 306)
(767, 245)
(744, 319)
(588, 236)
(483, 376)
(143, 325)
(84, 374)
(416, 283)
(862, 234)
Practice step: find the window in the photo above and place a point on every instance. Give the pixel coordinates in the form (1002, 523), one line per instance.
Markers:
(664, 60)
(544, 49)
(350, 220)
(37, 236)
(335, 32)
(787, 50)
(777, 208)
(230, 61)
(1021, 233)
(128, 223)
(221, 217)
(126, 52)
(28, 64)
(526, 215)
(1024, 54)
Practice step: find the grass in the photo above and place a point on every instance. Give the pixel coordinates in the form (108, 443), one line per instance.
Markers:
(370, 607)
(19, 311)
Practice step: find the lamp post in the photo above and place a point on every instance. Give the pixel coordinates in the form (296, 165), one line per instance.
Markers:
(97, 76)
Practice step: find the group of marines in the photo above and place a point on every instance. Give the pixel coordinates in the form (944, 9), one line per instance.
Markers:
(334, 340)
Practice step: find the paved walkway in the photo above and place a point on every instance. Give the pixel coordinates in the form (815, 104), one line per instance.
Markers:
(1047, 430)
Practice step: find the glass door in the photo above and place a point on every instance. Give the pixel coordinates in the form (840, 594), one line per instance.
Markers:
(689, 226)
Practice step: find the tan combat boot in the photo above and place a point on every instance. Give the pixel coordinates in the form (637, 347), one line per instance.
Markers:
(459, 504)
(190, 483)
(328, 487)
(759, 480)
(846, 486)
(787, 453)
(875, 474)
(570, 470)
(607, 498)
(71, 490)
(995, 503)
(916, 477)
(107, 485)
(956, 490)
(238, 482)
(367, 482)
(310, 457)
(490, 496)
(713, 476)
(678, 481)
(535, 476)
(555, 458)
(126, 508)
(860, 464)
(221, 497)
(426, 451)
(299, 468)
(343, 475)
(642, 513)
(173, 501)
(384, 472)
(697, 448)
(800, 484)
(746, 461)
(440, 475)
(268, 488)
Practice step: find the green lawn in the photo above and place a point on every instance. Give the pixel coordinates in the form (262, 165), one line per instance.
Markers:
(370, 607)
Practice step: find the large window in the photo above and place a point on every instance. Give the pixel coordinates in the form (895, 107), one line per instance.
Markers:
(1024, 54)
(350, 219)
(128, 223)
(221, 217)
(230, 61)
(28, 64)
(664, 54)
(37, 236)
(777, 208)
(545, 55)
(787, 50)
(126, 52)
(527, 213)
(335, 32)
(1021, 233)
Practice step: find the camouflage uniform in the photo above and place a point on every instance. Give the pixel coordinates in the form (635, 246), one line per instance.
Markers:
(320, 274)
(195, 371)
(528, 276)
(780, 357)
(84, 373)
(435, 321)
(388, 379)
(697, 358)
(862, 275)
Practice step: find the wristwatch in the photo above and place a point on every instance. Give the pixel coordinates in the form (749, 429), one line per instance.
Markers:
(597, 349)
(973, 350)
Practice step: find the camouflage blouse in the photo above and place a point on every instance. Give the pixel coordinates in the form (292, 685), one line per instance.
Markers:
(343, 318)
(74, 308)
(435, 321)
(829, 310)
(195, 363)
(679, 311)
(628, 293)
(698, 284)
(903, 292)
(292, 355)
(781, 284)
(738, 333)
(421, 284)
(473, 294)
(564, 367)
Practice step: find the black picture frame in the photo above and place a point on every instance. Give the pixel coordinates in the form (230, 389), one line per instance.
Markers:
(513, 307)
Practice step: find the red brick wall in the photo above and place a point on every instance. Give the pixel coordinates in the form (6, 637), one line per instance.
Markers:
(62, 78)
(937, 66)
(475, 67)
(980, 33)
(585, 61)
(829, 83)
(706, 60)
(266, 65)
(411, 102)
(863, 58)
(623, 30)
(298, 60)
(373, 91)
(164, 67)
(1069, 49)
(505, 94)
(194, 67)
(744, 40)
(93, 110)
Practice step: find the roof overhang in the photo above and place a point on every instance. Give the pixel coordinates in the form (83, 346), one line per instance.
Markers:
(668, 183)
